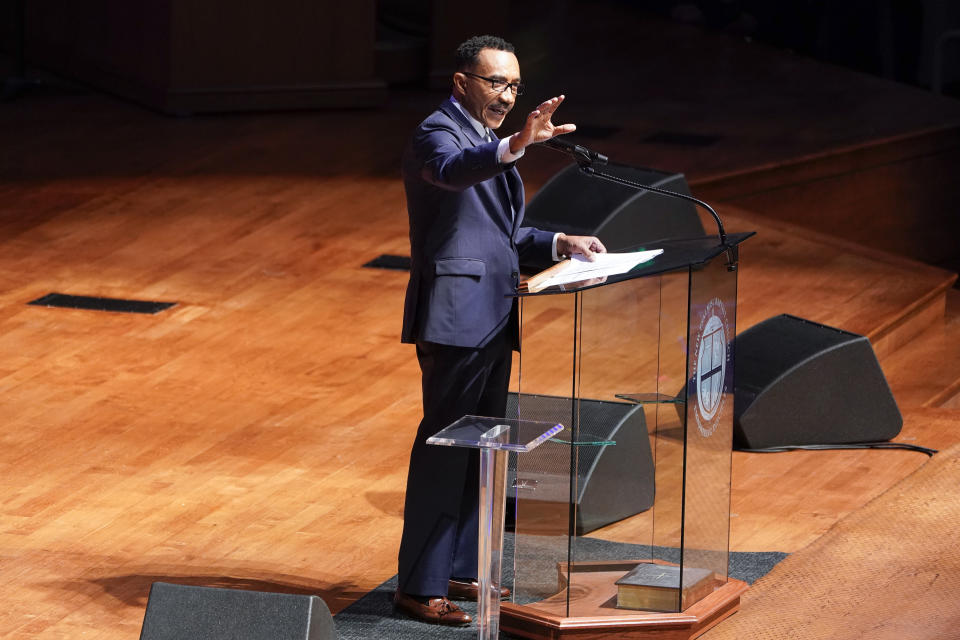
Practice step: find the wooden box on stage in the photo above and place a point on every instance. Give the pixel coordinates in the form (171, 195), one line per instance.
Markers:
(659, 337)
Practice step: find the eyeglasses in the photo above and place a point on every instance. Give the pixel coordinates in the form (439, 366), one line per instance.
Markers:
(499, 85)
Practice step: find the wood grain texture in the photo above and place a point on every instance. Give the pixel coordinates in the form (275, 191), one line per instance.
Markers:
(256, 435)
(184, 57)
(549, 621)
(898, 560)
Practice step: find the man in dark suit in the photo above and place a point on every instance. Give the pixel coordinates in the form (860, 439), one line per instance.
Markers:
(465, 202)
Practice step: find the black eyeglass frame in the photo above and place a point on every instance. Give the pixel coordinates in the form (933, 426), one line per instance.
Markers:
(517, 87)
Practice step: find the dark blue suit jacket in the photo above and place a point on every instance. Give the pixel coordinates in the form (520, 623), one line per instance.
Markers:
(464, 240)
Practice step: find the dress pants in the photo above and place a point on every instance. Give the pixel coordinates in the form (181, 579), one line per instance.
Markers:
(440, 519)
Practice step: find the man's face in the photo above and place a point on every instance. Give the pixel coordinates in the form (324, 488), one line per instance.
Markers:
(478, 98)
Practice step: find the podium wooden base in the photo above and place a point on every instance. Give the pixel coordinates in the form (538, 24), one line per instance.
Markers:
(597, 617)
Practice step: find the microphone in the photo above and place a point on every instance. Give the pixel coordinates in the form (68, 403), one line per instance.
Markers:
(582, 155)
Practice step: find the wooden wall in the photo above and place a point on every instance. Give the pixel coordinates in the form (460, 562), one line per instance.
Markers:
(180, 56)
(451, 25)
(899, 195)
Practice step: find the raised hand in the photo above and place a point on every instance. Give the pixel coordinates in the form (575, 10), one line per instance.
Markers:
(539, 126)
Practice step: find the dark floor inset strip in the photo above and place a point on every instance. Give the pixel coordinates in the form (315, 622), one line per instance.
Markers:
(65, 301)
(395, 263)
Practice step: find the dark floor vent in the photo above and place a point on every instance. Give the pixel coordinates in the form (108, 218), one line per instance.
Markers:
(394, 263)
(65, 301)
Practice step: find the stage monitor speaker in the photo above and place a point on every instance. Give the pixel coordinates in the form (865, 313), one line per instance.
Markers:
(614, 481)
(799, 383)
(622, 217)
(181, 612)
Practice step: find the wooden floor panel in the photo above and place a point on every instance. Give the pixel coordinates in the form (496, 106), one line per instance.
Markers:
(786, 269)
(256, 435)
(926, 372)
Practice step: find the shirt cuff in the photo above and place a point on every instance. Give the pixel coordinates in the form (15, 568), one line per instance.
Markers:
(505, 156)
(556, 258)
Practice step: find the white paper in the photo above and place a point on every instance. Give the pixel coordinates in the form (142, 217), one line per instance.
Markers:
(604, 264)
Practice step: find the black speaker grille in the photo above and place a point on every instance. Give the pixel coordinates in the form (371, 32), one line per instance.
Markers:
(178, 612)
(803, 383)
(613, 472)
(769, 349)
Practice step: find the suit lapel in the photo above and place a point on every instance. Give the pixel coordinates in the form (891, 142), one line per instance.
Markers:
(507, 182)
(468, 131)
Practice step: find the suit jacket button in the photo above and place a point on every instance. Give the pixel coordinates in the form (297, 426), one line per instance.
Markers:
(515, 275)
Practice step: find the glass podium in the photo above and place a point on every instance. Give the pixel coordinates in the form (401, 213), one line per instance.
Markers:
(639, 368)
(494, 437)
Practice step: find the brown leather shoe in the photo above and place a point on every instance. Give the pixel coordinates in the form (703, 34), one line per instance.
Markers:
(460, 589)
(437, 610)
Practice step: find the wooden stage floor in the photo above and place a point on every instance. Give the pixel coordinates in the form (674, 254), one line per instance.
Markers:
(256, 435)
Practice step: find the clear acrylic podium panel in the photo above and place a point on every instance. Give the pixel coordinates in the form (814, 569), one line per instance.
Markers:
(651, 355)
(495, 438)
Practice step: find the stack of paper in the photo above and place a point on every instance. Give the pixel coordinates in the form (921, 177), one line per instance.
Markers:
(578, 268)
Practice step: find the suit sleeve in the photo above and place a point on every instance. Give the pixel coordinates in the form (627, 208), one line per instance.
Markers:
(445, 164)
(534, 243)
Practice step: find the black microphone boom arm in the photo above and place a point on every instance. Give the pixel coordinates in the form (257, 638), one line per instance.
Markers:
(590, 171)
(586, 159)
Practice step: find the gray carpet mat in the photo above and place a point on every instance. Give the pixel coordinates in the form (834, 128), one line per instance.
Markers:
(372, 616)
